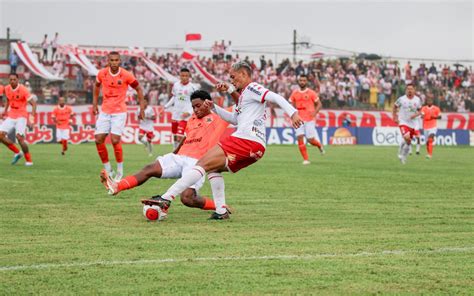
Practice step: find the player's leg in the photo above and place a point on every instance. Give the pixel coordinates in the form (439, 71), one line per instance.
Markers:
(301, 144)
(149, 171)
(24, 148)
(191, 199)
(5, 128)
(65, 139)
(102, 129)
(418, 142)
(174, 131)
(117, 126)
(149, 137)
(218, 193)
(430, 142)
(312, 135)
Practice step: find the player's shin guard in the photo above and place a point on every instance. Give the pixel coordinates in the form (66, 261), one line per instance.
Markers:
(316, 143)
(429, 146)
(302, 147)
(188, 179)
(64, 143)
(218, 191)
(127, 183)
(28, 157)
(208, 204)
(13, 148)
(118, 152)
(103, 154)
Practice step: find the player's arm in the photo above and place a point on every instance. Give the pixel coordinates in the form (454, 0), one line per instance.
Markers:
(95, 97)
(230, 117)
(418, 113)
(7, 106)
(153, 117)
(272, 97)
(230, 89)
(317, 106)
(141, 100)
(169, 103)
(176, 150)
(395, 113)
(33, 109)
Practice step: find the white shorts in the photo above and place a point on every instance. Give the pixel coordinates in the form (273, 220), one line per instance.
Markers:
(173, 166)
(308, 129)
(62, 134)
(19, 124)
(431, 131)
(110, 123)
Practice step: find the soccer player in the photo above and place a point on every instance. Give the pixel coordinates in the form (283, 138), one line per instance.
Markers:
(146, 129)
(243, 148)
(418, 126)
(202, 132)
(405, 111)
(306, 101)
(62, 116)
(114, 81)
(430, 113)
(16, 114)
(181, 103)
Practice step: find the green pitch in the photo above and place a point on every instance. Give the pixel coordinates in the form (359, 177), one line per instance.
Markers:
(355, 221)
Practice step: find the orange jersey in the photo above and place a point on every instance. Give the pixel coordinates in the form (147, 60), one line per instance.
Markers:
(18, 99)
(304, 102)
(114, 89)
(429, 116)
(62, 115)
(202, 134)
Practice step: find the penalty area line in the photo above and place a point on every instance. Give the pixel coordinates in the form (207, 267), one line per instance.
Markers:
(236, 258)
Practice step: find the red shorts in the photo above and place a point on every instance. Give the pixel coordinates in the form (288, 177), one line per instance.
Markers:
(241, 153)
(149, 135)
(178, 127)
(405, 129)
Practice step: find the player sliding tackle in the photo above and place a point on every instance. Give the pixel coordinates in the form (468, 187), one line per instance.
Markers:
(409, 106)
(203, 131)
(243, 148)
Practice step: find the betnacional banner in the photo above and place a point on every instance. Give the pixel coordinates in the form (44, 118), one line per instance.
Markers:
(366, 127)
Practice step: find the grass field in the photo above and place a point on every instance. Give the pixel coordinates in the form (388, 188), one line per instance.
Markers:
(355, 221)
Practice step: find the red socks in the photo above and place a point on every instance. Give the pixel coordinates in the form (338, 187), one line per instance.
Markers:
(208, 204)
(118, 152)
(127, 183)
(429, 146)
(64, 142)
(302, 147)
(13, 148)
(28, 157)
(315, 142)
(103, 154)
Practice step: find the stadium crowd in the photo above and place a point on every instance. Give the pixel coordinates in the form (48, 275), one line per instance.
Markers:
(342, 83)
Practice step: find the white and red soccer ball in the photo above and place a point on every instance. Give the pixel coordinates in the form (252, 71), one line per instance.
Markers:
(153, 213)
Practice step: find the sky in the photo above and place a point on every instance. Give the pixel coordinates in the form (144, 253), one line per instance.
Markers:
(424, 29)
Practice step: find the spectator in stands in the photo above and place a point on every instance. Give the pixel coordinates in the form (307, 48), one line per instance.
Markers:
(47, 95)
(215, 51)
(79, 79)
(45, 45)
(221, 50)
(54, 46)
(89, 86)
(228, 51)
(13, 62)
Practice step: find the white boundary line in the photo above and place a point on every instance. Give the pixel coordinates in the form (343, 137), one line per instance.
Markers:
(251, 258)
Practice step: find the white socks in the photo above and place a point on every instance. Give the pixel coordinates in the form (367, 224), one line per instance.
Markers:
(187, 180)
(108, 167)
(218, 191)
(418, 147)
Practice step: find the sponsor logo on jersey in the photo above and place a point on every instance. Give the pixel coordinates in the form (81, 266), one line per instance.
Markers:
(255, 91)
(258, 133)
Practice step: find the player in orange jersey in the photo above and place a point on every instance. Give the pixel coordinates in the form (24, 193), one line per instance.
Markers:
(16, 114)
(203, 131)
(430, 113)
(307, 103)
(62, 116)
(114, 81)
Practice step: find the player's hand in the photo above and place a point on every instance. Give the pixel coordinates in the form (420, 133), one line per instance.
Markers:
(208, 104)
(395, 119)
(4, 115)
(185, 115)
(296, 120)
(141, 116)
(31, 120)
(222, 87)
(95, 110)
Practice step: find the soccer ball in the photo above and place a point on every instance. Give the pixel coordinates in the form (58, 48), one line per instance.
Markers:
(153, 213)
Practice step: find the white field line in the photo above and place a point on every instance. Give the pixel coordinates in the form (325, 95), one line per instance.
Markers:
(236, 258)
